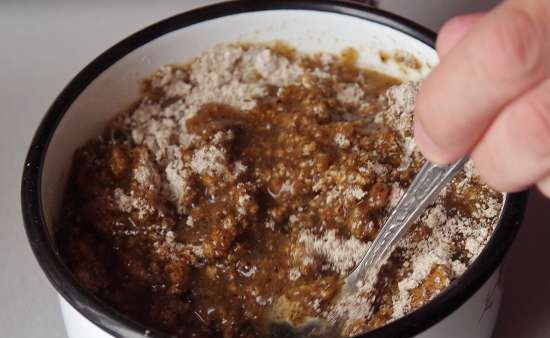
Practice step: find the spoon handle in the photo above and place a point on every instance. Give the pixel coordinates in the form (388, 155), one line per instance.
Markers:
(423, 190)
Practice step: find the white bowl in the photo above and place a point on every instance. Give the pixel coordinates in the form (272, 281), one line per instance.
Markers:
(468, 308)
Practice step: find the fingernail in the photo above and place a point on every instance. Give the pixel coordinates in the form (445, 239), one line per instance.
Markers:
(427, 146)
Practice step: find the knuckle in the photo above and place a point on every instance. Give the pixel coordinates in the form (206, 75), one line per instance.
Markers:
(487, 164)
(518, 41)
(445, 34)
(544, 186)
(536, 117)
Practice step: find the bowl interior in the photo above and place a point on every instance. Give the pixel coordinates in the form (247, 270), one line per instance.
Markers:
(118, 86)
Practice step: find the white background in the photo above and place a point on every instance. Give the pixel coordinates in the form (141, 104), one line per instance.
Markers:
(43, 44)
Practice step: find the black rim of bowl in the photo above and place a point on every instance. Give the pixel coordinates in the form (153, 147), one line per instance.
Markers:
(121, 326)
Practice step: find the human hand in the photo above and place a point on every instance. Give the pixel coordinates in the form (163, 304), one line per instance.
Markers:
(490, 95)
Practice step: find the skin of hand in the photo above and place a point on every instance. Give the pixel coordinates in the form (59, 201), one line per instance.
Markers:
(490, 95)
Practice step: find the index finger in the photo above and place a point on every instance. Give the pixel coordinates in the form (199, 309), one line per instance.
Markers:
(499, 59)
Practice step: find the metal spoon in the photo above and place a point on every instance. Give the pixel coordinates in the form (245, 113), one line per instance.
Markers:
(423, 190)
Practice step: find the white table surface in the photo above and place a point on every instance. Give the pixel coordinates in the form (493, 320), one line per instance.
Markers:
(43, 44)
